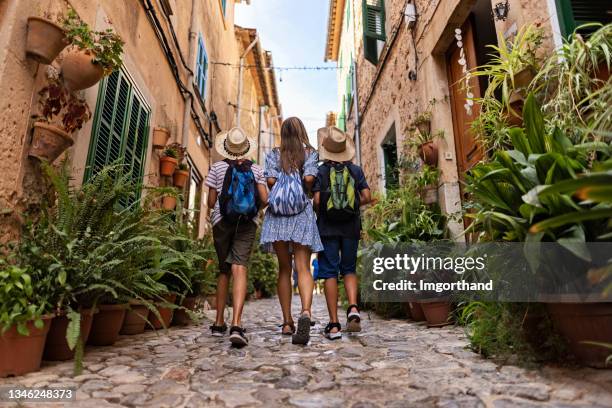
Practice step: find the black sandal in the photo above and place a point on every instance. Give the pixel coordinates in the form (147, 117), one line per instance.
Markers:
(333, 335)
(287, 324)
(302, 334)
(218, 330)
(353, 319)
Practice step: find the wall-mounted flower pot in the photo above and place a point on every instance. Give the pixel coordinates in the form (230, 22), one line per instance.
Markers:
(135, 319)
(56, 347)
(429, 153)
(106, 325)
(22, 354)
(79, 70)
(44, 41)
(430, 194)
(179, 178)
(416, 312)
(516, 102)
(168, 202)
(167, 165)
(165, 313)
(424, 127)
(181, 317)
(437, 313)
(584, 322)
(48, 142)
(523, 78)
(160, 137)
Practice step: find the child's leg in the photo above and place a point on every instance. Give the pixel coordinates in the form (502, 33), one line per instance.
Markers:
(239, 292)
(284, 279)
(305, 282)
(222, 289)
(351, 286)
(331, 297)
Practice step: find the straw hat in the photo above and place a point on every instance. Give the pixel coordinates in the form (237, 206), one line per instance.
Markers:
(235, 144)
(335, 145)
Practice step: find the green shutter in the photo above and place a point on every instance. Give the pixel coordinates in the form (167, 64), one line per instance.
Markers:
(373, 28)
(120, 129)
(574, 13)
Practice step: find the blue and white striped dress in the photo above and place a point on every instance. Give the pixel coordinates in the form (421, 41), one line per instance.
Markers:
(300, 228)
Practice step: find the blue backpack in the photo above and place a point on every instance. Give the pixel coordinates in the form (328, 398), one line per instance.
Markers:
(287, 196)
(239, 199)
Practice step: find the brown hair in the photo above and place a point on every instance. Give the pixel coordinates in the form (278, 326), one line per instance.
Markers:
(293, 139)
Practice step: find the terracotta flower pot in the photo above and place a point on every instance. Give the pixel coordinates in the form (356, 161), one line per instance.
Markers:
(437, 313)
(48, 142)
(160, 137)
(430, 194)
(56, 347)
(135, 319)
(523, 78)
(167, 165)
(45, 40)
(22, 354)
(429, 153)
(106, 325)
(424, 127)
(516, 103)
(416, 311)
(168, 202)
(165, 313)
(179, 178)
(181, 317)
(79, 70)
(583, 322)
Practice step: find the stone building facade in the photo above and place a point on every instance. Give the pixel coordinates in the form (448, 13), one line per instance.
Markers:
(180, 61)
(407, 62)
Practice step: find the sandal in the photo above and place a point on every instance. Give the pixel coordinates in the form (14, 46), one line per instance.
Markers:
(333, 335)
(353, 319)
(302, 334)
(218, 330)
(287, 324)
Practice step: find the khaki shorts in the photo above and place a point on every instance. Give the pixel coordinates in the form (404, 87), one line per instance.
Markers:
(233, 243)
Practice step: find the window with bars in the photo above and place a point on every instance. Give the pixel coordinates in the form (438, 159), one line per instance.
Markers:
(373, 28)
(201, 74)
(120, 129)
(574, 13)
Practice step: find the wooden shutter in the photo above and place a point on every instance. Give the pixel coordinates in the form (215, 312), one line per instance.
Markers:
(574, 13)
(373, 28)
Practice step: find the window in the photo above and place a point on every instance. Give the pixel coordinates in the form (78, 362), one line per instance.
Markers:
(201, 74)
(120, 129)
(389, 151)
(573, 13)
(373, 28)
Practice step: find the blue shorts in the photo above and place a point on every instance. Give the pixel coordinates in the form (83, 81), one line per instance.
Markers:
(339, 255)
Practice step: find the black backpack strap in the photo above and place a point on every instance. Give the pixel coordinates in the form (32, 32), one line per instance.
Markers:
(227, 180)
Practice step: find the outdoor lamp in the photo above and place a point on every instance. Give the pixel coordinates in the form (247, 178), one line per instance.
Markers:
(500, 11)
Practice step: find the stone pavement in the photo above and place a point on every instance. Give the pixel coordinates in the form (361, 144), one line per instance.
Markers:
(392, 363)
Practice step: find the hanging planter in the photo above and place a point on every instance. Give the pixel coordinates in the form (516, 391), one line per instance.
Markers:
(160, 137)
(80, 69)
(21, 354)
(48, 142)
(428, 151)
(106, 325)
(181, 175)
(169, 202)
(437, 313)
(44, 41)
(168, 162)
(135, 319)
(523, 78)
(56, 347)
(514, 116)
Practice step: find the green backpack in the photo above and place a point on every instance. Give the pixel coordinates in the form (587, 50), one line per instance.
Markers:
(343, 201)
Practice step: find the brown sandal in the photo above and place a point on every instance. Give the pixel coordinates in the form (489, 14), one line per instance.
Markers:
(290, 325)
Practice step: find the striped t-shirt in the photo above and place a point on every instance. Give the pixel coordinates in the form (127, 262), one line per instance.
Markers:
(215, 180)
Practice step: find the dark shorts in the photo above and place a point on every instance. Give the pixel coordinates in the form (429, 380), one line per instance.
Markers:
(339, 256)
(233, 243)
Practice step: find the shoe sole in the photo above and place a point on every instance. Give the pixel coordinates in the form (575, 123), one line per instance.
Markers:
(217, 334)
(354, 325)
(238, 341)
(334, 336)
(302, 334)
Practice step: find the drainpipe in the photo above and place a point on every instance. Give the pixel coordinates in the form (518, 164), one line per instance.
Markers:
(357, 117)
(187, 107)
(242, 57)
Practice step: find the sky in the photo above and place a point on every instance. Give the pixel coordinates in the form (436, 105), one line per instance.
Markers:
(295, 32)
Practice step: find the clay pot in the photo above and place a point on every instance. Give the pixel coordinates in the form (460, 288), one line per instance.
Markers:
(160, 137)
(167, 165)
(45, 40)
(165, 313)
(424, 127)
(135, 319)
(437, 313)
(516, 103)
(56, 347)
(106, 325)
(416, 311)
(430, 194)
(22, 354)
(584, 322)
(168, 202)
(181, 318)
(48, 142)
(523, 78)
(429, 153)
(179, 178)
(79, 70)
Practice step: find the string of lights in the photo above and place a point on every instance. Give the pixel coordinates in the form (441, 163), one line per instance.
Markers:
(293, 68)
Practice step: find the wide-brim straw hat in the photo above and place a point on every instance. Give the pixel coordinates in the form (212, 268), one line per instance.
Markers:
(235, 144)
(335, 145)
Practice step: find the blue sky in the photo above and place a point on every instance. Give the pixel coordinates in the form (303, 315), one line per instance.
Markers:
(295, 32)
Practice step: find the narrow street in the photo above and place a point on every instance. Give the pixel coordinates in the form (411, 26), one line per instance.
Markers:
(393, 363)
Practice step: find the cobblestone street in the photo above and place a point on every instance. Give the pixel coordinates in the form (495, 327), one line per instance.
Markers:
(392, 363)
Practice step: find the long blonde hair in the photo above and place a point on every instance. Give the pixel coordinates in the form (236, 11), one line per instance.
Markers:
(293, 140)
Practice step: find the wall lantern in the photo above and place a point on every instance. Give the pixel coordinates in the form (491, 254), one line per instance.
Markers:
(500, 11)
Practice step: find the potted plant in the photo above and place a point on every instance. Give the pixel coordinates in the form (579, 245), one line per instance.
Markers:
(437, 313)
(60, 345)
(427, 183)
(135, 319)
(423, 123)
(168, 161)
(61, 114)
(24, 321)
(416, 311)
(91, 55)
(165, 310)
(160, 137)
(180, 175)
(45, 40)
(426, 148)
